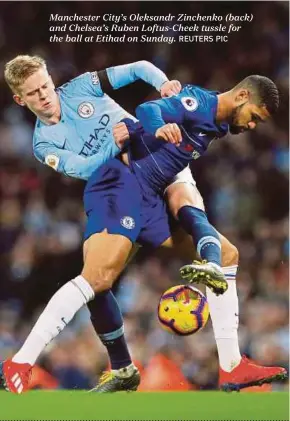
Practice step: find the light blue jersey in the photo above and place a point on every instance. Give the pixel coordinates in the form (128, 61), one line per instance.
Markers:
(83, 140)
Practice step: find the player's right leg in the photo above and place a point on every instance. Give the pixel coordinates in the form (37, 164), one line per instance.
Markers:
(236, 372)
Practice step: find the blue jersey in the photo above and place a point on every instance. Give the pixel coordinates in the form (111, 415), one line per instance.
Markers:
(155, 162)
(82, 140)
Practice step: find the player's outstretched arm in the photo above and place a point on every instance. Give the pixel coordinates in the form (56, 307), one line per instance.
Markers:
(119, 76)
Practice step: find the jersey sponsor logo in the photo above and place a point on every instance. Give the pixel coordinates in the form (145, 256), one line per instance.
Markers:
(52, 161)
(97, 138)
(201, 134)
(95, 78)
(86, 109)
(189, 103)
(128, 222)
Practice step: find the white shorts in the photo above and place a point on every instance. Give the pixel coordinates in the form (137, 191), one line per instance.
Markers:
(185, 176)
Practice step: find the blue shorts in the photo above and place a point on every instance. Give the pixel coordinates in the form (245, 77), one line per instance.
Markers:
(114, 201)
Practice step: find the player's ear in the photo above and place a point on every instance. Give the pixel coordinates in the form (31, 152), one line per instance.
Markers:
(18, 100)
(242, 96)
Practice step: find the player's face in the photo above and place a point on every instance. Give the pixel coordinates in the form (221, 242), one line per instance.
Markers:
(38, 94)
(246, 115)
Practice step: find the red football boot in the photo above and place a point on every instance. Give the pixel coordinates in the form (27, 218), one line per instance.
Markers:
(14, 377)
(247, 374)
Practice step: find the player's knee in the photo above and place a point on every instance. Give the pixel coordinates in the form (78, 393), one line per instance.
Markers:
(230, 254)
(102, 284)
(106, 281)
(101, 279)
(183, 194)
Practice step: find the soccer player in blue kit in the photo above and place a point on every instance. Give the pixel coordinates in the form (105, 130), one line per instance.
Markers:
(108, 246)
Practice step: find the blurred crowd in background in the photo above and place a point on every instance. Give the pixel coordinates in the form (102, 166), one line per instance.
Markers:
(243, 179)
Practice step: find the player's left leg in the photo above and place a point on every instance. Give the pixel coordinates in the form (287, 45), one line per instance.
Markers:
(186, 205)
(95, 281)
(109, 234)
(236, 371)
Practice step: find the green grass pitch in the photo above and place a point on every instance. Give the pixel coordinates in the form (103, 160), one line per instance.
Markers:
(66, 405)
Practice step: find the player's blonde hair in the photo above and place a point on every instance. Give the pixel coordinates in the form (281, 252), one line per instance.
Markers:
(17, 70)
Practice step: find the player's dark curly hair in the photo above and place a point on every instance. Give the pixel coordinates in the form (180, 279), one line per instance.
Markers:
(263, 90)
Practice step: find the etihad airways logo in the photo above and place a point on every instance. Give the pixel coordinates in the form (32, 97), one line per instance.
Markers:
(97, 137)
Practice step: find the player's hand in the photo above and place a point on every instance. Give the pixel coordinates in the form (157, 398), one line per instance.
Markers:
(169, 88)
(121, 134)
(170, 133)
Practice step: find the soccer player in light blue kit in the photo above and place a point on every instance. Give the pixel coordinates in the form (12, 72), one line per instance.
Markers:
(82, 138)
(78, 291)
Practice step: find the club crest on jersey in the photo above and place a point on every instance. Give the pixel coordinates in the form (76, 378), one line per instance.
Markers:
(86, 109)
(52, 161)
(189, 103)
(128, 222)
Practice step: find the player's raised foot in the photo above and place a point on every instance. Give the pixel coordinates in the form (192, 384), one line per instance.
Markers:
(126, 379)
(247, 374)
(14, 377)
(206, 273)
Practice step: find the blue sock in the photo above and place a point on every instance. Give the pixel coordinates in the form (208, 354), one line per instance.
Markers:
(108, 323)
(205, 238)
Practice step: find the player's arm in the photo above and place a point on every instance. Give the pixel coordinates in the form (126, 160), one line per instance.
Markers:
(161, 118)
(116, 77)
(74, 165)
(70, 163)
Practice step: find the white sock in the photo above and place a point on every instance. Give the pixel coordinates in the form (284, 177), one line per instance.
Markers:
(215, 265)
(224, 312)
(57, 314)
